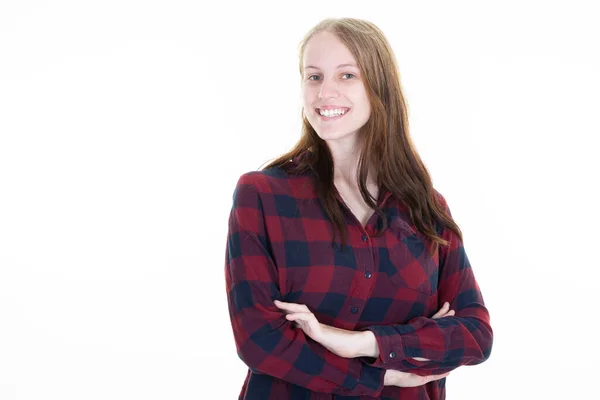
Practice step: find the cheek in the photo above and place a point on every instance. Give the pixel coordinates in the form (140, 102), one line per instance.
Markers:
(306, 98)
(367, 107)
(364, 102)
(358, 93)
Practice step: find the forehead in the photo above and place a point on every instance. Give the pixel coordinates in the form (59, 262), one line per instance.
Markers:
(325, 50)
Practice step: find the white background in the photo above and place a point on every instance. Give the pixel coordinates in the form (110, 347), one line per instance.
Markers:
(124, 126)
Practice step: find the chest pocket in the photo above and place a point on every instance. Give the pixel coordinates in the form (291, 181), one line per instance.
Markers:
(407, 261)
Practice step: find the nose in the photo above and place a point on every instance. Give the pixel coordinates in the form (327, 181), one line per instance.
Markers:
(328, 89)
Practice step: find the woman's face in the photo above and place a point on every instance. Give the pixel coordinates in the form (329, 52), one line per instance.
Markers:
(333, 94)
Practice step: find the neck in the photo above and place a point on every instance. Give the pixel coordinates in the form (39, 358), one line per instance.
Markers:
(346, 153)
(345, 167)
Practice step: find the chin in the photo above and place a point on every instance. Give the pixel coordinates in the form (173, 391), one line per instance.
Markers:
(334, 135)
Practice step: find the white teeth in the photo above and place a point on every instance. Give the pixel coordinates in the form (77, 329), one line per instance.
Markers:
(332, 113)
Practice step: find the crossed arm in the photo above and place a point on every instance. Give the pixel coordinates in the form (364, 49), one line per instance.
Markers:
(344, 343)
(268, 343)
(352, 344)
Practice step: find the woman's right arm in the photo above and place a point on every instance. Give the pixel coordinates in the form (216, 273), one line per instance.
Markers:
(266, 342)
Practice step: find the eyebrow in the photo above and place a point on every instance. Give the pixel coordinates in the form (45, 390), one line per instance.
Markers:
(339, 66)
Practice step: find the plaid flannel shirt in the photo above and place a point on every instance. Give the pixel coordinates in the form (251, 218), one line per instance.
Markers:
(279, 247)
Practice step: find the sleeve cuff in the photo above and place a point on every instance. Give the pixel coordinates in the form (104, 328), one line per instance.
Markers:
(390, 346)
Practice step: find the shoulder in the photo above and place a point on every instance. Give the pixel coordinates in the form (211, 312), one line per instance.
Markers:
(268, 183)
(443, 206)
(274, 181)
(264, 180)
(440, 199)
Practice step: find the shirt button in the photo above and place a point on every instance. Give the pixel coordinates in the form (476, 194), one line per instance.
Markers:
(367, 275)
(364, 238)
(354, 310)
(392, 355)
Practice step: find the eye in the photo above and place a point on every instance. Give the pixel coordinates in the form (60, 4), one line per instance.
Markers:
(317, 76)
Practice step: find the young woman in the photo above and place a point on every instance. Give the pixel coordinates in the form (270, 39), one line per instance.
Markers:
(346, 275)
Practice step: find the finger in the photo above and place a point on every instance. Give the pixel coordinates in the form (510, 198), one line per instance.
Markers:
(281, 304)
(448, 314)
(442, 311)
(299, 317)
(284, 306)
(445, 308)
(293, 307)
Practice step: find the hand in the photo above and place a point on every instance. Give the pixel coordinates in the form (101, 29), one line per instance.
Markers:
(443, 312)
(393, 377)
(342, 342)
(303, 318)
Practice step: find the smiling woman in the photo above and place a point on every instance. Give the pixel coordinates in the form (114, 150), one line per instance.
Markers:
(346, 274)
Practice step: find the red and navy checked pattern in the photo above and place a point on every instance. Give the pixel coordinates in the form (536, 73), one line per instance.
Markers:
(279, 247)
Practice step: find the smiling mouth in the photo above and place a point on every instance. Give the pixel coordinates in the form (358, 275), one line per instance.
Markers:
(331, 114)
